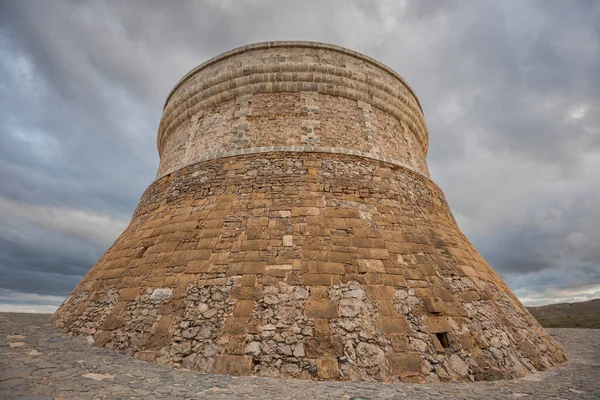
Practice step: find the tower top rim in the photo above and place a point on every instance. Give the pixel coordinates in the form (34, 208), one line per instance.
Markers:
(291, 43)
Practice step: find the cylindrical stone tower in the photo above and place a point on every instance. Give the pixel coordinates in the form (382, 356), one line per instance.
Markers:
(293, 231)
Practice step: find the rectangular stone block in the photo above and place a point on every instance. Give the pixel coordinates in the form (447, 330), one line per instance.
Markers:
(390, 324)
(370, 265)
(254, 245)
(244, 308)
(211, 282)
(469, 271)
(118, 308)
(164, 324)
(393, 280)
(399, 342)
(386, 307)
(380, 254)
(248, 280)
(236, 365)
(341, 213)
(434, 305)
(246, 293)
(236, 344)
(438, 324)
(321, 309)
(198, 255)
(322, 327)
(279, 271)
(247, 267)
(129, 294)
(197, 267)
(323, 346)
(380, 292)
(235, 325)
(318, 267)
(316, 279)
(404, 364)
(209, 233)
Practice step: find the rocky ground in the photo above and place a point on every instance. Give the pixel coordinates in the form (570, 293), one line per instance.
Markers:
(39, 362)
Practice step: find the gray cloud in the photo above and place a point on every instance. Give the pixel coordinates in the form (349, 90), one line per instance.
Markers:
(509, 89)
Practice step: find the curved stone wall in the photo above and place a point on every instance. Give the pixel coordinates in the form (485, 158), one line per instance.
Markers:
(291, 94)
(293, 231)
(305, 265)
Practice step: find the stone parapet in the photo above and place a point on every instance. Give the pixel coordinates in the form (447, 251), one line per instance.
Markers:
(294, 93)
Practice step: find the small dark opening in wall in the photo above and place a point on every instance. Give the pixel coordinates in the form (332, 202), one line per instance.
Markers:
(443, 338)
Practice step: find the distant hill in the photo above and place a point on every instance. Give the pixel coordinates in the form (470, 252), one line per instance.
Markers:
(569, 315)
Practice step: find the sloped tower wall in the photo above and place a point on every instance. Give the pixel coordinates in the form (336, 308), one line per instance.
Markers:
(293, 231)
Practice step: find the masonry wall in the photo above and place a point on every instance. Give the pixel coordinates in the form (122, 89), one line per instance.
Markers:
(292, 96)
(305, 265)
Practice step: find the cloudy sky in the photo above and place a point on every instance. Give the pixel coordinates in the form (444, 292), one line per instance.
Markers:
(510, 89)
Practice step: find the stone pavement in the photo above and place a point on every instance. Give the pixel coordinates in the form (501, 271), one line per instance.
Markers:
(39, 362)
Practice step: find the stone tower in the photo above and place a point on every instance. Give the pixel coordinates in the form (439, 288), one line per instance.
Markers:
(293, 231)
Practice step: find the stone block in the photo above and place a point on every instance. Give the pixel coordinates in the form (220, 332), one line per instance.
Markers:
(236, 365)
(327, 368)
(405, 364)
(321, 309)
(236, 344)
(235, 325)
(248, 280)
(323, 346)
(370, 265)
(316, 279)
(155, 341)
(247, 267)
(288, 240)
(322, 327)
(319, 267)
(393, 280)
(380, 292)
(248, 245)
(165, 324)
(438, 324)
(399, 342)
(469, 271)
(379, 254)
(129, 294)
(434, 305)
(280, 271)
(390, 325)
(244, 308)
(386, 307)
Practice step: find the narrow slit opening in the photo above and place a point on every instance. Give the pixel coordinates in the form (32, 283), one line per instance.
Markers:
(443, 338)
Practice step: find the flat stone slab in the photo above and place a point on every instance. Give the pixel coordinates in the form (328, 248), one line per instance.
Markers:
(52, 365)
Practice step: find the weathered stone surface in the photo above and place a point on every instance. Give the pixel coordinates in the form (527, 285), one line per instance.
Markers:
(323, 346)
(293, 231)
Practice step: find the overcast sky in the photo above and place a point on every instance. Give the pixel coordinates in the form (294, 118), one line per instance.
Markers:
(510, 90)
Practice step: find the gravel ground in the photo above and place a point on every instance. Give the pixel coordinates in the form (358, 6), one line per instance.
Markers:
(39, 362)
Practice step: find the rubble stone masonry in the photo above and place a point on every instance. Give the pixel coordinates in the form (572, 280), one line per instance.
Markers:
(293, 231)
